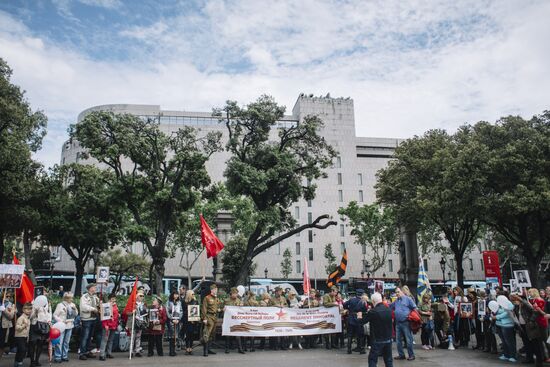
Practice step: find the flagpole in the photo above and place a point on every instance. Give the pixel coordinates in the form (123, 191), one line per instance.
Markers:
(132, 333)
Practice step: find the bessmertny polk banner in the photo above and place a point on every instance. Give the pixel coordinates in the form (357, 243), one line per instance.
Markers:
(275, 321)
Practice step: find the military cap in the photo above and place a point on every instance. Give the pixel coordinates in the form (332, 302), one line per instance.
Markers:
(90, 286)
(278, 288)
(233, 290)
(334, 288)
(213, 286)
(359, 291)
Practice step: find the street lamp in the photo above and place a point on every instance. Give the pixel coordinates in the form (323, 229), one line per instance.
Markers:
(362, 274)
(383, 275)
(367, 269)
(449, 276)
(442, 263)
(265, 272)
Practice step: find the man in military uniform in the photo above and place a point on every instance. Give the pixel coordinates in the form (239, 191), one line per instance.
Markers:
(251, 302)
(279, 300)
(329, 300)
(209, 314)
(311, 302)
(356, 307)
(233, 300)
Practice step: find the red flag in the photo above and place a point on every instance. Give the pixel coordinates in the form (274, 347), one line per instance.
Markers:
(131, 305)
(26, 292)
(209, 240)
(306, 285)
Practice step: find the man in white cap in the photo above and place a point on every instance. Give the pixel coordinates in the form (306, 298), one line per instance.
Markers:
(381, 329)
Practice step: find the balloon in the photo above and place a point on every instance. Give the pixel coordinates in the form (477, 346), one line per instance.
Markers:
(503, 301)
(60, 326)
(40, 301)
(54, 333)
(240, 289)
(56, 341)
(493, 306)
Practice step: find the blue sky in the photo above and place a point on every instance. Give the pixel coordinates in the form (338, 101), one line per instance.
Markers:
(408, 65)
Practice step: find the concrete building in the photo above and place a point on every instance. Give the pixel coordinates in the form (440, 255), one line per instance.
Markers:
(352, 178)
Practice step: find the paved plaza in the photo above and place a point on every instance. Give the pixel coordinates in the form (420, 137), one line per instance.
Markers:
(310, 358)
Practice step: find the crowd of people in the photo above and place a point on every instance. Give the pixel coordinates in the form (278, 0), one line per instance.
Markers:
(484, 320)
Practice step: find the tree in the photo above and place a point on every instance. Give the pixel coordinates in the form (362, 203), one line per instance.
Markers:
(83, 214)
(21, 133)
(272, 173)
(158, 176)
(40, 258)
(373, 227)
(124, 264)
(437, 179)
(331, 259)
(232, 257)
(517, 191)
(286, 264)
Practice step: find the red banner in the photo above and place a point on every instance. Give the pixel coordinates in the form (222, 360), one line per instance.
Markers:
(492, 265)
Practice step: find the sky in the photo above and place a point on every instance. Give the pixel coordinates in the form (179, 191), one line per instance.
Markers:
(409, 66)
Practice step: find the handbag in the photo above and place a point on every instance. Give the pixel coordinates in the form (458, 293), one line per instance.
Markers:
(42, 328)
(415, 321)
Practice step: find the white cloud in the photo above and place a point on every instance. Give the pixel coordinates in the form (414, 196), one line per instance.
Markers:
(408, 68)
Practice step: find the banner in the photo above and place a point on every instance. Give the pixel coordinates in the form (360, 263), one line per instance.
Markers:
(491, 265)
(11, 275)
(275, 321)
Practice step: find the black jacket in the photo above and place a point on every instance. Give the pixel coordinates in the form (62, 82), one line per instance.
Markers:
(380, 323)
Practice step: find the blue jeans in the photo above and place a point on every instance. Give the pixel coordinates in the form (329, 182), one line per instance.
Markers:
(508, 337)
(62, 348)
(86, 332)
(380, 349)
(402, 328)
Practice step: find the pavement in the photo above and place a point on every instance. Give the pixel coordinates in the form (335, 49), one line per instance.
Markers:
(267, 358)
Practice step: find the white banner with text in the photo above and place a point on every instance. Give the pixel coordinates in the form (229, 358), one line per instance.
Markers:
(275, 321)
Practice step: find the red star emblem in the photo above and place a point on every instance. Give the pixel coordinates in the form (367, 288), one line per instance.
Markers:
(280, 313)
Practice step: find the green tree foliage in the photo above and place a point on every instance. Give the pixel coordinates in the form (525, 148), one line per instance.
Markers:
(286, 264)
(437, 179)
(330, 258)
(157, 175)
(82, 215)
(232, 257)
(375, 228)
(517, 191)
(124, 264)
(21, 133)
(272, 172)
(40, 258)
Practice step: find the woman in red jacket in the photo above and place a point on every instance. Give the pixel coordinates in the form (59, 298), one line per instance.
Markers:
(109, 326)
(157, 320)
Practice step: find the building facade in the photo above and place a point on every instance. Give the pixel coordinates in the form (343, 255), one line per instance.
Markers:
(352, 178)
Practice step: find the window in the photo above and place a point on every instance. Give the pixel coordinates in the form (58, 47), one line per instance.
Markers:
(363, 249)
(309, 203)
(310, 254)
(310, 236)
(482, 266)
(338, 162)
(360, 196)
(390, 265)
(279, 248)
(360, 179)
(297, 248)
(342, 230)
(309, 218)
(389, 249)
(297, 212)
(298, 267)
(339, 178)
(342, 247)
(471, 263)
(340, 196)
(425, 261)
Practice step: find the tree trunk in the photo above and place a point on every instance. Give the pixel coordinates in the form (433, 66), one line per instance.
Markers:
(27, 254)
(78, 277)
(533, 265)
(459, 270)
(2, 248)
(242, 274)
(151, 276)
(158, 271)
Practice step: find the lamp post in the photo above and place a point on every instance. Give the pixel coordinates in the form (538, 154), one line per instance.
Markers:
(449, 276)
(443, 264)
(383, 275)
(265, 273)
(362, 274)
(367, 269)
